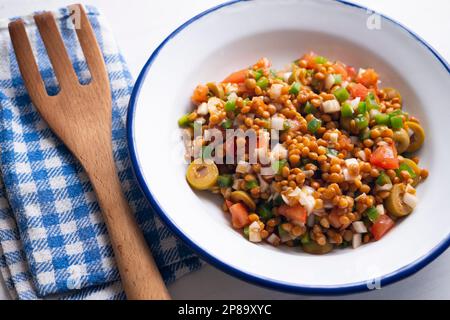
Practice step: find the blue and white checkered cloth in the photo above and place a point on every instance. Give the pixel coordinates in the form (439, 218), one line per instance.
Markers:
(53, 241)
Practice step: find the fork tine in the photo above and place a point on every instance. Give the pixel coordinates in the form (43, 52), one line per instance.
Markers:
(27, 64)
(90, 47)
(55, 49)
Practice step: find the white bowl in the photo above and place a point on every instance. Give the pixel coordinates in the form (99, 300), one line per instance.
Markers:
(234, 35)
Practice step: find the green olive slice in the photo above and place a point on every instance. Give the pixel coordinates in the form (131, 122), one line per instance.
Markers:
(216, 90)
(417, 138)
(313, 247)
(242, 196)
(202, 175)
(394, 203)
(392, 93)
(414, 167)
(402, 141)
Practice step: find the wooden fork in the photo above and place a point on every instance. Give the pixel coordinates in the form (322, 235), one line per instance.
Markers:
(80, 115)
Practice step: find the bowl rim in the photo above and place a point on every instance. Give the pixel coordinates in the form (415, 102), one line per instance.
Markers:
(354, 287)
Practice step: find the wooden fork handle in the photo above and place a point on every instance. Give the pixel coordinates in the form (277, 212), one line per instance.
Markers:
(140, 277)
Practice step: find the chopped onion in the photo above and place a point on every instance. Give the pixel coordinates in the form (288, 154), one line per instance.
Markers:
(360, 196)
(285, 199)
(286, 76)
(373, 113)
(334, 136)
(236, 184)
(275, 90)
(254, 234)
(362, 155)
(410, 200)
(231, 87)
(279, 152)
(202, 109)
(307, 201)
(212, 105)
(331, 106)
(348, 176)
(273, 239)
(277, 123)
(410, 189)
(355, 102)
(344, 84)
(351, 162)
(410, 132)
(232, 96)
(308, 190)
(384, 187)
(357, 240)
(359, 227)
(295, 193)
(329, 81)
(243, 167)
(361, 71)
(200, 120)
(380, 209)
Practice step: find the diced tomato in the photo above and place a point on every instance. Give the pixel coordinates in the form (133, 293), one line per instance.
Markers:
(385, 157)
(239, 215)
(358, 90)
(311, 59)
(341, 69)
(381, 226)
(228, 203)
(200, 94)
(351, 72)
(236, 77)
(368, 78)
(262, 63)
(295, 214)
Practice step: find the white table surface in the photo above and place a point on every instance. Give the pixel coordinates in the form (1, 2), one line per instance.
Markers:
(140, 25)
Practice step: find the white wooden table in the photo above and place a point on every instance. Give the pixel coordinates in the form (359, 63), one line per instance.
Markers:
(140, 25)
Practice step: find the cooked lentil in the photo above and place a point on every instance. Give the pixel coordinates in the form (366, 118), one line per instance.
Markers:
(337, 158)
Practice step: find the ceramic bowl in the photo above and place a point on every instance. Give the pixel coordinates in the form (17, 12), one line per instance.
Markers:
(234, 35)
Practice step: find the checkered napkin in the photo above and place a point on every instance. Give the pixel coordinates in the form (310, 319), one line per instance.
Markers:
(53, 240)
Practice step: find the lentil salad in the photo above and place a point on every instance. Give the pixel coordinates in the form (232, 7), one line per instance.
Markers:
(343, 170)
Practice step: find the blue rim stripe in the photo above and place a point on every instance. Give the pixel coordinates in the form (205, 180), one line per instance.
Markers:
(287, 287)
